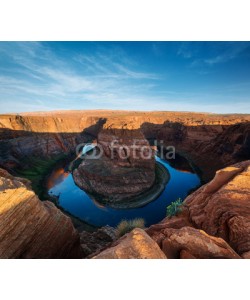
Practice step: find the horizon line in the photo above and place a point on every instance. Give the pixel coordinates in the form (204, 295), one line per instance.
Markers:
(117, 110)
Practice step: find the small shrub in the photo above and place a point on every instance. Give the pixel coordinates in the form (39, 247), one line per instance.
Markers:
(126, 226)
(174, 208)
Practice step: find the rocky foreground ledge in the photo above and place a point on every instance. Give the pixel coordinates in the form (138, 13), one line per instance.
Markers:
(214, 223)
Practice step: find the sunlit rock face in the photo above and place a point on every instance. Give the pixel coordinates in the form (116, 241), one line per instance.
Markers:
(215, 219)
(30, 228)
(125, 169)
(189, 242)
(222, 207)
(136, 244)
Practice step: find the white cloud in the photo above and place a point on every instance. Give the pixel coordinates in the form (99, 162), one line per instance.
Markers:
(41, 80)
(39, 73)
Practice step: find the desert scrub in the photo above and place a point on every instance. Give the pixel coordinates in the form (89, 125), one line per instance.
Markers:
(174, 208)
(126, 226)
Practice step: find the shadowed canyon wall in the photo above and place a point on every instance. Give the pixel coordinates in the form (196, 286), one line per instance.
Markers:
(210, 141)
(215, 219)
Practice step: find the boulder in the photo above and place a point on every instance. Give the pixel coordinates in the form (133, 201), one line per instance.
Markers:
(136, 244)
(93, 243)
(189, 242)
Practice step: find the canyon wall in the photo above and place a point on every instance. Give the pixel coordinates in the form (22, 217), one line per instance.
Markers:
(30, 228)
(213, 223)
(211, 141)
(218, 212)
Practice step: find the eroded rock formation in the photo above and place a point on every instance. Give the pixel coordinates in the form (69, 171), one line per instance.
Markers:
(30, 228)
(221, 209)
(210, 141)
(122, 171)
(214, 223)
(189, 242)
(215, 219)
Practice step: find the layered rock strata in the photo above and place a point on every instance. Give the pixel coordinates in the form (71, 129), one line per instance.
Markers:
(214, 223)
(30, 228)
(221, 209)
(211, 141)
(122, 171)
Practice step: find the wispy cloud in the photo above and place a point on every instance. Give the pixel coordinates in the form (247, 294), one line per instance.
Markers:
(101, 64)
(219, 53)
(36, 76)
(40, 73)
(231, 52)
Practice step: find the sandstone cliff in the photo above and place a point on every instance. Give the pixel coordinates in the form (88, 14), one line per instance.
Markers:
(30, 228)
(221, 209)
(214, 223)
(210, 141)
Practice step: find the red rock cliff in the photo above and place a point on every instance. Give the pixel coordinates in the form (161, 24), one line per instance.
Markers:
(218, 212)
(30, 228)
(210, 141)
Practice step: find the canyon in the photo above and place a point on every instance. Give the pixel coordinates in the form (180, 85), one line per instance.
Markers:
(210, 141)
(214, 221)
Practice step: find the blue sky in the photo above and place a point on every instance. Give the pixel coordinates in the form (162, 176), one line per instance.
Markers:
(175, 76)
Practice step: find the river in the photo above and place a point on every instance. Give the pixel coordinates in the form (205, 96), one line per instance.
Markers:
(79, 204)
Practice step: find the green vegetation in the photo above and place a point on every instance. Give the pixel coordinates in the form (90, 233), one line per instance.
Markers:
(36, 169)
(174, 208)
(126, 226)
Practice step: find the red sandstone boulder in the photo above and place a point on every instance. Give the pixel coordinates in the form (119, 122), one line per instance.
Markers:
(136, 244)
(189, 242)
(156, 231)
